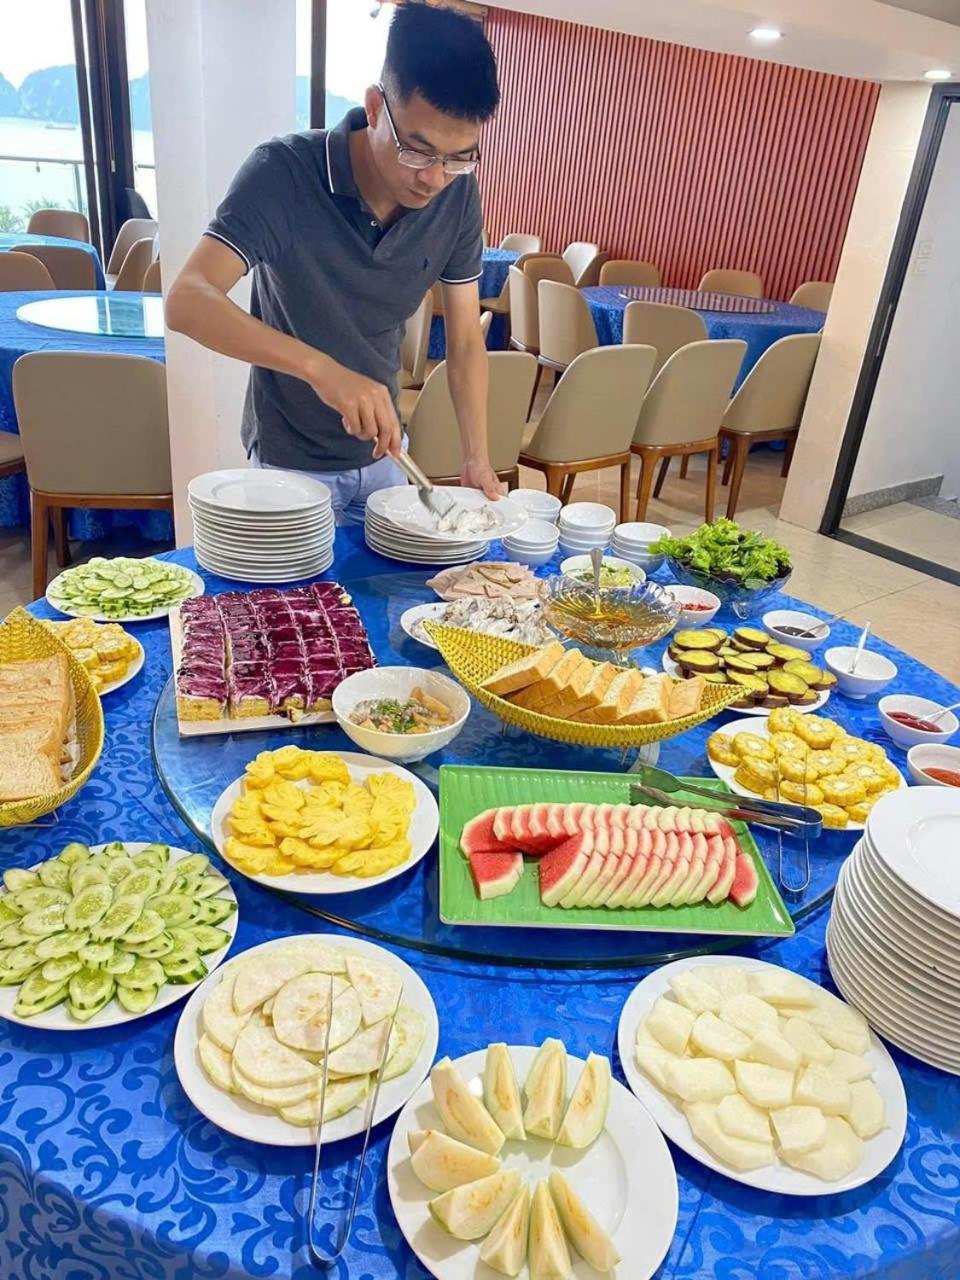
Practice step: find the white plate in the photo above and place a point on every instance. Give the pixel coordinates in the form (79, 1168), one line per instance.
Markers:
(272, 563)
(673, 669)
(136, 666)
(912, 834)
(440, 558)
(421, 612)
(405, 509)
(878, 1151)
(245, 1119)
(113, 1014)
(424, 825)
(626, 1179)
(197, 589)
(279, 576)
(931, 920)
(256, 489)
(762, 729)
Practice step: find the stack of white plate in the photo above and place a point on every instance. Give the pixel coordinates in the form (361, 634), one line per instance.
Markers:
(585, 525)
(534, 544)
(259, 525)
(632, 542)
(894, 935)
(398, 543)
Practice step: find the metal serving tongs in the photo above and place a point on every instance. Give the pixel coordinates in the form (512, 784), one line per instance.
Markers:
(793, 819)
(438, 503)
(793, 888)
(317, 1256)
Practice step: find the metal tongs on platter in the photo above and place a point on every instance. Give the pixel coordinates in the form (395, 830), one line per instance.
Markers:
(791, 819)
(318, 1256)
(439, 504)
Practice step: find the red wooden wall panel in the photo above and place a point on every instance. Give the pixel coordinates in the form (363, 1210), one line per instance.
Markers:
(687, 158)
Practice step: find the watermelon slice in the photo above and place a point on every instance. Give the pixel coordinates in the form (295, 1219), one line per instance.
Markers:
(681, 868)
(495, 874)
(721, 890)
(635, 818)
(621, 871)
(530, 831)
(600, 848)
(562, 867)
(478, 835)
(746, 882)
(601, 886)
(667, 818)
(683, 821)
(626, 884)
(503, 824)
(643, 891)
(711, 870)
(698, 859)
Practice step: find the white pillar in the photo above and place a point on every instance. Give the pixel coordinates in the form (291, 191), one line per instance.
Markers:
(222, 80)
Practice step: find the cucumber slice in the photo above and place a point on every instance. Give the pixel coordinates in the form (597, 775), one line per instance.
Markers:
(38, 994)
(86, 873)
(74, 853)
(149, 857)
(13, 977)
(149, 926)
(169, 879)
(190, 884)
(15, 878)
(89, 907)
(54, 873)
(41, 924)
(120, 962)
(77, 1012)
(136, 1000)
(23, 957)
(37, 899)
(142, 882)
(212, 884)
(156, 948)
(62, 944)
(185, 940)
(96, 953)
(213, 910)
(12, 935)
(144, 974)
(174, 908)
(180, 956)
(101, 860)
(183, 971)
(115, 849)
(61, 969)
(123, 915)
(118, 869)
(161, 851)
(91, 988)
(7, 913)
(194, 863)
(208, 938)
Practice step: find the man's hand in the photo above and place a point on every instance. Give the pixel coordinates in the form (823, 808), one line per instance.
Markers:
(365, 405)
(478, 474)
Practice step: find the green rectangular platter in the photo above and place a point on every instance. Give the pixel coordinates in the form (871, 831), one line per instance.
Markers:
(466, 791)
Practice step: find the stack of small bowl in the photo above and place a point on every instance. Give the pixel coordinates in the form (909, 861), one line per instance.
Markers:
(584, 526)
(633, 541)
(534, 544)
(537, 504)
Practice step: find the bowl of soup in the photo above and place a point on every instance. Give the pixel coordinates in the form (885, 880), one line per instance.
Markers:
(400, 713)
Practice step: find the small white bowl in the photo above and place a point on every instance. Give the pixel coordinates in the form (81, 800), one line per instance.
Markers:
(693, 618)
(587, 517)
(874, 672)
(536, 535)
(639, 533)
(578, 548)
(642, 558)
(399, 683)
(932, 756)
(778, 618)
(577, 564)
(528, 555)
(542, 506)
(902, 734)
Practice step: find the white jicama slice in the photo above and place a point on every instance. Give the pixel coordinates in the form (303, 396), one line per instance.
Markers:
(717, 1039)
(652, 1058)
(850, 1066)
(545, 1101)
(470, 1212)
(836, 1157)
(505, 1248)
(264, 1060)
(547, 1255)
(464, 1116)
(817, 1087)
(764, 1086)
(378, 986)
(342, 1096)
(442, 1163)
(807, 1041)
(700, 1079)
(501, 1092)
(585, 1233)
(775, 1050)
(739, 1153)
(215, 1062)
(256, 983)
(842, 1027)
(361, 1054)
(274, 1098)
(671, 1024)
(782, 988)
(220, 1020)
(867, 1115)
(695, 994)
(799, 1129)
(749, 1014)
(301, 1009)
(323, 958)
(406, 1040)
(587, 1113)
(729, 979)
(267, 1009)
(741, 1119)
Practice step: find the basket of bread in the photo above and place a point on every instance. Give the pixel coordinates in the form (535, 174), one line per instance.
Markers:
(559, 693)
(51, 722)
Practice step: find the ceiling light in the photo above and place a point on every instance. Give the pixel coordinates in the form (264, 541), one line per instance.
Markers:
(766, 34)
(938, 73)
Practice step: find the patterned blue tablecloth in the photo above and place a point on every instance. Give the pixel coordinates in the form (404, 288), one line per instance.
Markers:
(107, 1172)
(496, 267)
(16, 339)
(10, 240)
(757, 331)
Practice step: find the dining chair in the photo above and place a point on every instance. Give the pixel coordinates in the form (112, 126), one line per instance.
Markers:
(521, 242)
(11, 455)
(94, 432)
(589, 420)
(725, 280)
(815, 294)
(664, 326)
(500, 304)
(23, 271)
(581, 257)
(68, 268)
(682, 412)
(546, 266)
(415, 345)
(486, 320)
(768, 406)
(67, 223)
(566, 325)
(152, 282)
(408, 396)
(629, 271)
(133, 229)
(139, 256)
(434, 434)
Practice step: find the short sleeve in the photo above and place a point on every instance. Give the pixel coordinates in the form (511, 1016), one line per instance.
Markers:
(465, 263)
(254, 215)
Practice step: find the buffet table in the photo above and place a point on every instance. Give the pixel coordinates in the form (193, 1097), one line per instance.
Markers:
(107, 1170)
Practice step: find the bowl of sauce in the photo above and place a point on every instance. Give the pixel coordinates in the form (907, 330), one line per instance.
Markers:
(790, 626)
(907, 720)
(934, 766)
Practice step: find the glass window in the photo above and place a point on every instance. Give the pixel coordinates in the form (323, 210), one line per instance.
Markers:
(356, 44)
(141, 120)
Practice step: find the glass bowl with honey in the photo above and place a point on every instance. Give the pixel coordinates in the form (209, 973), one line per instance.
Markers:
(609, 619)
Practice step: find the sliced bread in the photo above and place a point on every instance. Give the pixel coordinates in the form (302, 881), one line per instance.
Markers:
(525, 671)
(651, 702)
(686, 696)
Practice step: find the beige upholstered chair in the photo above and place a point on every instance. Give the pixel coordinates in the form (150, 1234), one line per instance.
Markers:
(524, 315)
(139, 256)
(725, 280)
(581, 257)
(59, 222)
(682, 412)
(133, 229)
(566, 325)
(11, 455)
(408, 396)
(664, 326)
(815, 294)
(433, 431)
(629, 271)
(546, 266)
(23, 271)
(590, 419)
(768, 406)
(485, 322)
(152, 282)
(415, 345)
(68, 268)
(94, 432)
(520, 242)
(500, 305)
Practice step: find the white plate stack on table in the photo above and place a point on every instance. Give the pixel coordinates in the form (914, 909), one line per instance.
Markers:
(584, 526)
(632, 542)
(535, 544)
(894, 935)
(397, 542)
(253, 525)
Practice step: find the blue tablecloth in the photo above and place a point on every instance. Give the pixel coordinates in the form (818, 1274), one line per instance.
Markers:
(16, 339)
(496, 267)
(9, 240)
(107, 1172)
(757, 331)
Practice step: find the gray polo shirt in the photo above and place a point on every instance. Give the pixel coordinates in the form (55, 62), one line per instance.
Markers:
(326, 272)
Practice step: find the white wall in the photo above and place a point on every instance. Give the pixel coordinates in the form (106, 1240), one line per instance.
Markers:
(222, 80)
(913, 428)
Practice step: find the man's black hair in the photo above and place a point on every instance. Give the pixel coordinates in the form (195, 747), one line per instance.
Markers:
(445, 57)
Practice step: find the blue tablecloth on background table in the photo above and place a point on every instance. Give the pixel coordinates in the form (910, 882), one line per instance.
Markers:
(496, 267)
(107, 1172)
(16, 339)
(11, 240)
(757, 331)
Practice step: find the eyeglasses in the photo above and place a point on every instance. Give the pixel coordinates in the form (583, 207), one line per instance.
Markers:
(453, 166)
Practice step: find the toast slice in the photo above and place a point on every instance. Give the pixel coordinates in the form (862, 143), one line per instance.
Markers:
(651, 702)
(686, 696)
(525, 671)
(601, 677)
(550, 688)
(24, 774)
(615, 701)
(572, 692)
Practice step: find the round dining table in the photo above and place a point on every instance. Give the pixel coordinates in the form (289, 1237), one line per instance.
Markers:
(13, 240)
(495, 267)
(108, 1170)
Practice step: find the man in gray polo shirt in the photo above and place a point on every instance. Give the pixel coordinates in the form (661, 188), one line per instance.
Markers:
(345, 230)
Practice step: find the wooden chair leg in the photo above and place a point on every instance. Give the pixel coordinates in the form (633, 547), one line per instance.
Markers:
(625, 491)
(788, 455)
(554, 478)
(741, 447)
(711, 484)
(684, 462)
(567, 493)
(58, 518)
(644, 484)
(39, 535)
(661, 476)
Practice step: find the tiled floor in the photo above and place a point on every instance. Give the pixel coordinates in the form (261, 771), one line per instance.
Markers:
(931, 535)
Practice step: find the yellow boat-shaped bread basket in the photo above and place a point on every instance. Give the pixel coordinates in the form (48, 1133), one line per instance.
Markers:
(474, 657)
(21, 638)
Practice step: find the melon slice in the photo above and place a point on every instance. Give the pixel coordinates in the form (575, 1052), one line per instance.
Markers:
(464, 1116)
(478, 835)
(548, 1257)
(469, 1212)
(721, 890)
(505, 1248)
(587, 1113)
(739, 1153)
(442, 1163)
(561, 868)
(745, 883)
(546, 1090)
(501, 1092)
(495, 874)
(585, 1233)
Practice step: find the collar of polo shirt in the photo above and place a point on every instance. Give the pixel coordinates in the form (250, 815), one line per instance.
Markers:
(339, 168)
